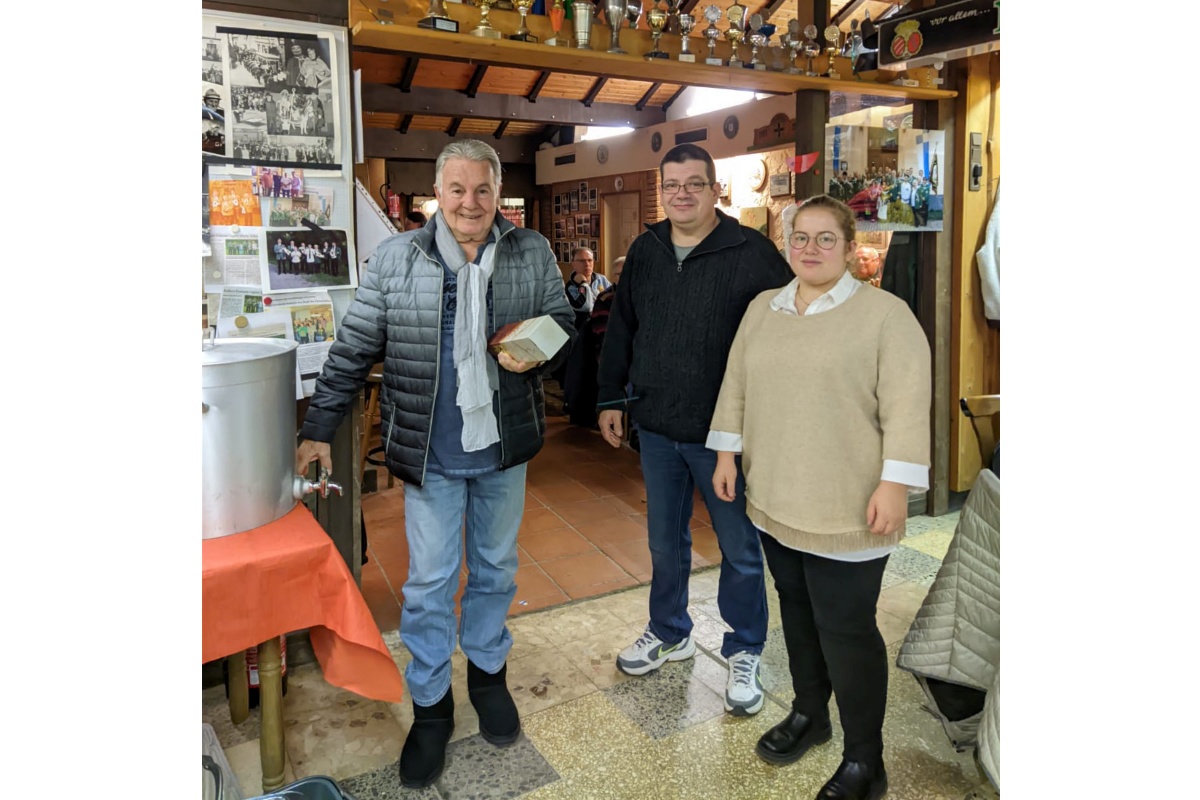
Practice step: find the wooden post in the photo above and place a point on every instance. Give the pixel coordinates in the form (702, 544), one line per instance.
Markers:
(239, 688)
(270, 693)
(975, 366)
(812, 113)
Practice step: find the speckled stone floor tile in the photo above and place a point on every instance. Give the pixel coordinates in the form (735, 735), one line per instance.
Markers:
(528, 633)
(215, 711)
(922, 524)
(631, 606)
(708, 632)
(903, 599)
(906, 564)
(245, 760)
(773, 666)
(567, 735)
(891, 627)
(703, 585)
(667, 700)
(545, 679)
(341, 744)
(576, 622)
(933, 543)
(596, 656)
(308, 691)
(466, 722)
(475, 770)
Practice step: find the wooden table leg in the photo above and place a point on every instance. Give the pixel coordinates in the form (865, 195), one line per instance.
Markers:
(270, 693)
(239, 688)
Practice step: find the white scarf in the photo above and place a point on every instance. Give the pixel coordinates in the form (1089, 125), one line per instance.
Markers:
(478, 378)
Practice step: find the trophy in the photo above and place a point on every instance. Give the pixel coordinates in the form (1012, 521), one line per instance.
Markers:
(614, 13)
(712, 33)
(583, 24)
(811, 48)
(657, 19)
(767, 30)
(736, 14)
(793, 42)
(686, 23)
(485, 29)
(757, 40)
(832, 35)
(437, 19)
(523, 34)
(557, 14)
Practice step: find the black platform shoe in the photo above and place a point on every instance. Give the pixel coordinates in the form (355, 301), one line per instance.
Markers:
(499, 723)
(792, 738)
(424, 755)
(856, 780)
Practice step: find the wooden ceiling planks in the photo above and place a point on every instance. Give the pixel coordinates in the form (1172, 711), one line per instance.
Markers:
(622, 91)
(378, 67)
(424, 123)
(506, 80)
(572, 87)
(444, 74)
(664, 93)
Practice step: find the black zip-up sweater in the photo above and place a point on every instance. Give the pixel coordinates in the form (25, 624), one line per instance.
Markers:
(672, 324)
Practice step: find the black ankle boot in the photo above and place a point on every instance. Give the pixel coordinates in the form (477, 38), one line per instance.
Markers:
(424, 755)
(790, 739)
(856, 780)
(499, 723)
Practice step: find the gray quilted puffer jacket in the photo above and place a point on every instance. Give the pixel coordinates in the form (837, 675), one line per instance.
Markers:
(396, 317)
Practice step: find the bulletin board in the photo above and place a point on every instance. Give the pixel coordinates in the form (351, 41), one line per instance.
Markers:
(278, 256)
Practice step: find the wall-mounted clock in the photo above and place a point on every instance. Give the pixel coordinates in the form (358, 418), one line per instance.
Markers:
(656, 142)
(730, 126)
(602, 154)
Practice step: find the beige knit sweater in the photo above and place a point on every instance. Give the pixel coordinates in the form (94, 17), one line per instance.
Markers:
(820, 402)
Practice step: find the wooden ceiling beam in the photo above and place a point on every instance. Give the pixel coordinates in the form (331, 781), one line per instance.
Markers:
(410, 72)
(452, 131)
(476, 79)
(590, 97)
(377, 97)
(673, 98)
(500, 128)
(537, 86)
(654, 87)
(687, 5)
(388, 143)
(847, 11)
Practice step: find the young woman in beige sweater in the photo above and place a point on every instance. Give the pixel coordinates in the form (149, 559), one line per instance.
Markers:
(826, 396)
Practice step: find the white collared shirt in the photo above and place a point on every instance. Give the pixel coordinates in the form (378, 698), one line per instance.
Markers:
(914, 476)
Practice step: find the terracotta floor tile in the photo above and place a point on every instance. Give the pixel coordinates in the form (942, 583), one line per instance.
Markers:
(584, 511)
(532, 502)
(640, 519)
(533, 582)
(632, 556)
(595, 589)
(562, 491)
(630, 503)
(384, 606)
(697, 524)
(615, 484)
(556, 544)
(704, 543)
(523, 558)
(524, 606)
(537, 520)
(574, 573)
(700, 512)
(612, 530)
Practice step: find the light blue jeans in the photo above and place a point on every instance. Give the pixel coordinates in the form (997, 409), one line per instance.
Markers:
(492, 505)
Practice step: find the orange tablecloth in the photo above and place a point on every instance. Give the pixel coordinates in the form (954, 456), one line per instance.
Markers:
(287, 576)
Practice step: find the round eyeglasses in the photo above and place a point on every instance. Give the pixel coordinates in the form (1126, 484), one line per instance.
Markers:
(826, 240)
(692, 187)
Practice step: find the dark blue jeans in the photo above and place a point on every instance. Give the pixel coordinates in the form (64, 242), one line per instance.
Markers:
(671, 471)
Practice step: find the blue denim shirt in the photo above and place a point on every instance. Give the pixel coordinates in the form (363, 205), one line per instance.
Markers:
(446, 455)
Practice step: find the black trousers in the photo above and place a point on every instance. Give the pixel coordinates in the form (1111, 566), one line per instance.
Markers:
(827, 609)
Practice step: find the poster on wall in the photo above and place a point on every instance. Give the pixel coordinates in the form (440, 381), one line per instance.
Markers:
(271, 97)
(890, 176)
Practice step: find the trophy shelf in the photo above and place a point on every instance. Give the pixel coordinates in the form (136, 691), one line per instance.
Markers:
(398, 33)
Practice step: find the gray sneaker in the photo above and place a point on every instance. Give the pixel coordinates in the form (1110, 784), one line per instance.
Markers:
(649, 653)
(743, 690)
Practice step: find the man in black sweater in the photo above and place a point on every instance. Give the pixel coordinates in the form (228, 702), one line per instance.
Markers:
(686, 283)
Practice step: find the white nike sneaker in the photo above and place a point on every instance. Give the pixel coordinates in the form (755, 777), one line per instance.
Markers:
(649, 653)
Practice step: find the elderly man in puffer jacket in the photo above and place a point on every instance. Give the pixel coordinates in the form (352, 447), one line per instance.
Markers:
(458, 428)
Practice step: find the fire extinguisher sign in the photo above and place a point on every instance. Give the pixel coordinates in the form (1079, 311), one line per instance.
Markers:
(943, 32)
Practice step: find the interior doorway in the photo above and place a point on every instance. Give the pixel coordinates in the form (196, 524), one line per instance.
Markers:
(620, 224)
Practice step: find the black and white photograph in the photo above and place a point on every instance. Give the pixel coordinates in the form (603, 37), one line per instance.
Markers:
(574, 200)
(583, 191)
(211, 69)
(212, 137)
(307, 259)
(282, 99)
(593, 200)
(211, 105)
